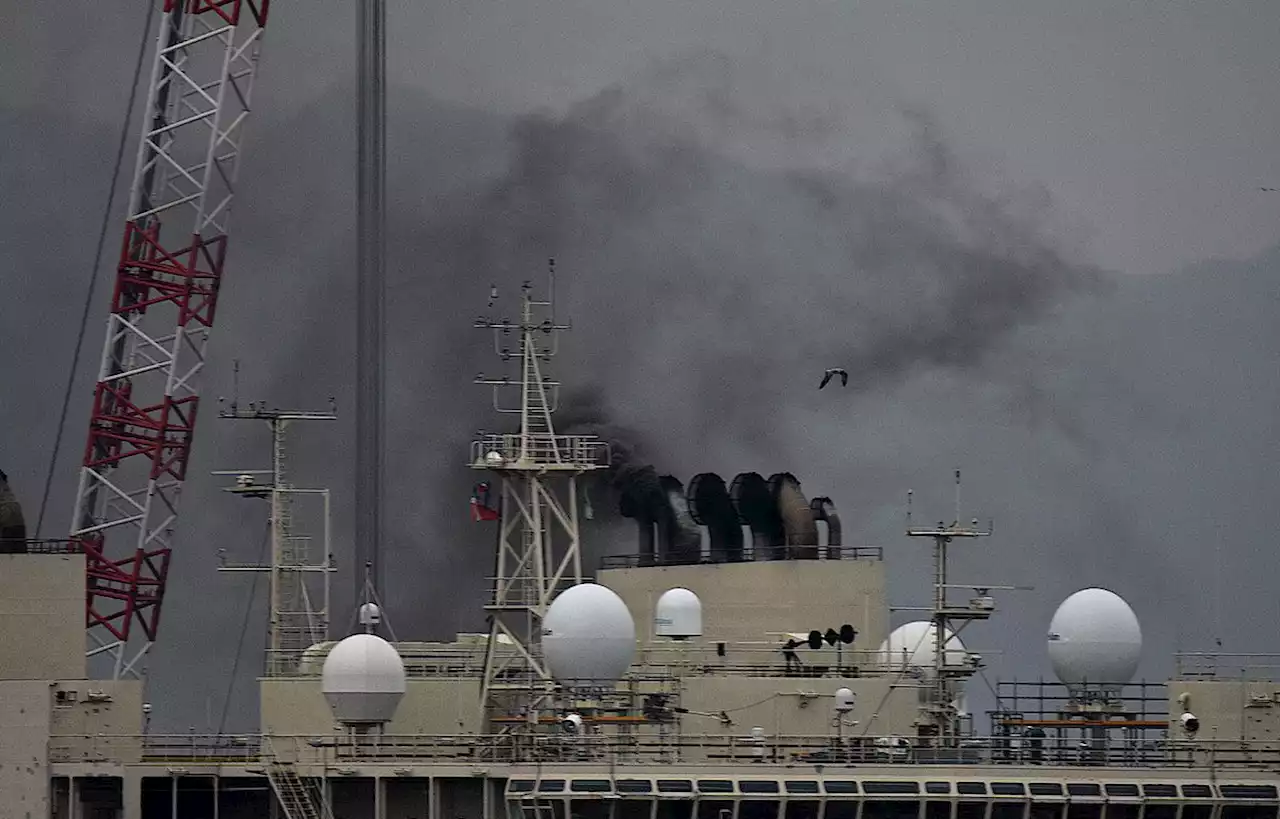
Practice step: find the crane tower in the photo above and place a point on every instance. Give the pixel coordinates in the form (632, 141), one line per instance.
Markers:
(538, 544)
(163, 306)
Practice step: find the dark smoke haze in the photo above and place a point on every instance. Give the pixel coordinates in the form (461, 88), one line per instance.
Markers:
(714, 260)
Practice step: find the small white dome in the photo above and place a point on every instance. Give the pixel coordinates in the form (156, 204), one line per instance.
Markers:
(910, 648)
(1095, 640)
(588, 636)
(678, 614)
(363, 679)
(370, 614)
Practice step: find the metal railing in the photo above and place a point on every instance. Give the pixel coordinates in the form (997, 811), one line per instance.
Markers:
(649, 744)
(540, 449)
(814, 552)
(29, 546)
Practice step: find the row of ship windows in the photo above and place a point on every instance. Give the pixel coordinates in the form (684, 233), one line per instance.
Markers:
(717, 808)
(847, 787)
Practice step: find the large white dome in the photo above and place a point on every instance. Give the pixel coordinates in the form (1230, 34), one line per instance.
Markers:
(1095, 640)
(678, 614)
(910, 648)
(363, 679)
(588, 636)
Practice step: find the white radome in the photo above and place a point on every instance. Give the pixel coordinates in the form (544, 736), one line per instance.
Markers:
(678, 614)
(1094, 638)
(363, 680)
(494, 458)
(588, 636)
(910, 648)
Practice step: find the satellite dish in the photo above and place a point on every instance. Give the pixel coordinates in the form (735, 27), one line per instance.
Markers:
(910, 649)
(588, 636)
(678, 615)
(1095, 640)
(363, 680)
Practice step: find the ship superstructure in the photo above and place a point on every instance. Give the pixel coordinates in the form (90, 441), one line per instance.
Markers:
(756, 676)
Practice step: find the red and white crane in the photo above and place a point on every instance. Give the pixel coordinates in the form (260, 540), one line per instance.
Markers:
(163, 307)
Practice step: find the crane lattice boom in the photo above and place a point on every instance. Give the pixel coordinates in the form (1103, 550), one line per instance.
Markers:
(163, 307)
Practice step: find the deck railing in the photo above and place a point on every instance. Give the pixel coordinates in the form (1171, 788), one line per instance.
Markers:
(629, 746)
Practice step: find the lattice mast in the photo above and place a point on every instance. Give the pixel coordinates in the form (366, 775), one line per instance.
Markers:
(949, 619)
(538, 552)
(162, 309)
(298, 606)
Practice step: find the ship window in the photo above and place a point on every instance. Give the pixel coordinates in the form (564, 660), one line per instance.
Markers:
(1122, 789)
(1045, 788)
(841, 810)
(1160, 811)
(802, 809)
(715, 809)
(890, 787)
(1008, 810)
(715, 786)
(1007, 789)
(520, 785)
(675, 786)
(1197, 791)
(971, 788)
(1248, 812)
(937, 787)
(590, 808)
(1084, 810)
(936, 809)
(591, 785)
(1046, 810)
(1123, 810)
(1197, 811)
(1083, 789)
(1248, 791)
(633, 809)
(758, 809)
(802, 786)
(1167, 791)
(634, 786)
(551, 786)
(840, 786)
(669, 809)
(971, 810)
(757, 786)
(891, 808)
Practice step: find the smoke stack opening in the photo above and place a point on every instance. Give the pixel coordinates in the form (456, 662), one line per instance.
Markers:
(679, 538)
(711, 506)
(799, 528)
(758, 510)
(824, 511)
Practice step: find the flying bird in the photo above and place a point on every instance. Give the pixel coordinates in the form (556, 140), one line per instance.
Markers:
(826, 377)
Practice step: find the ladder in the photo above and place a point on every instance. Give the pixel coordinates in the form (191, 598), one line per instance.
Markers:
(292, 793)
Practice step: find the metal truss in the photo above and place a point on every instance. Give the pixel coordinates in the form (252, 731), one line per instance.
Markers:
(162, 308)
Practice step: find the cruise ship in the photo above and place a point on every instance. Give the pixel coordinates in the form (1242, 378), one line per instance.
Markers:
(739, 663)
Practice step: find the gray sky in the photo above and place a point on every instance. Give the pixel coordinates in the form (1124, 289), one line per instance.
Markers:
(1131, 427)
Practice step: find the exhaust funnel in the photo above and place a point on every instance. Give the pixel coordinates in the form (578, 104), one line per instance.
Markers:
(711, 506)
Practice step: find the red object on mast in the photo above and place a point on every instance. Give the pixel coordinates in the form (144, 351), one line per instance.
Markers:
(162, 308)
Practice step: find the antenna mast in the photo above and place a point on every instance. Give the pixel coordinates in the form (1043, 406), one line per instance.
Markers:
(299, 615)
(941, 709)
(538, 548)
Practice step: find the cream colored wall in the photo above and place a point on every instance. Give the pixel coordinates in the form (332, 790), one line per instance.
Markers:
(295, 707)
(1228, 710)
(95, 720)
(747, 602)
(42, 607)
(24, 749)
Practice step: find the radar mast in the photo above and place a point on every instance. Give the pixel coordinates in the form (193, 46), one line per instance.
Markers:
(538, 544)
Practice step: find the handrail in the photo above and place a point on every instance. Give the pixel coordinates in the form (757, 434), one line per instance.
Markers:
(648, 747)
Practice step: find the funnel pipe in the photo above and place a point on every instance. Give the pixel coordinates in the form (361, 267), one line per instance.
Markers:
(757, 508)
(824, 510)
(680, 538)
(711, 506)
(799, 528)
